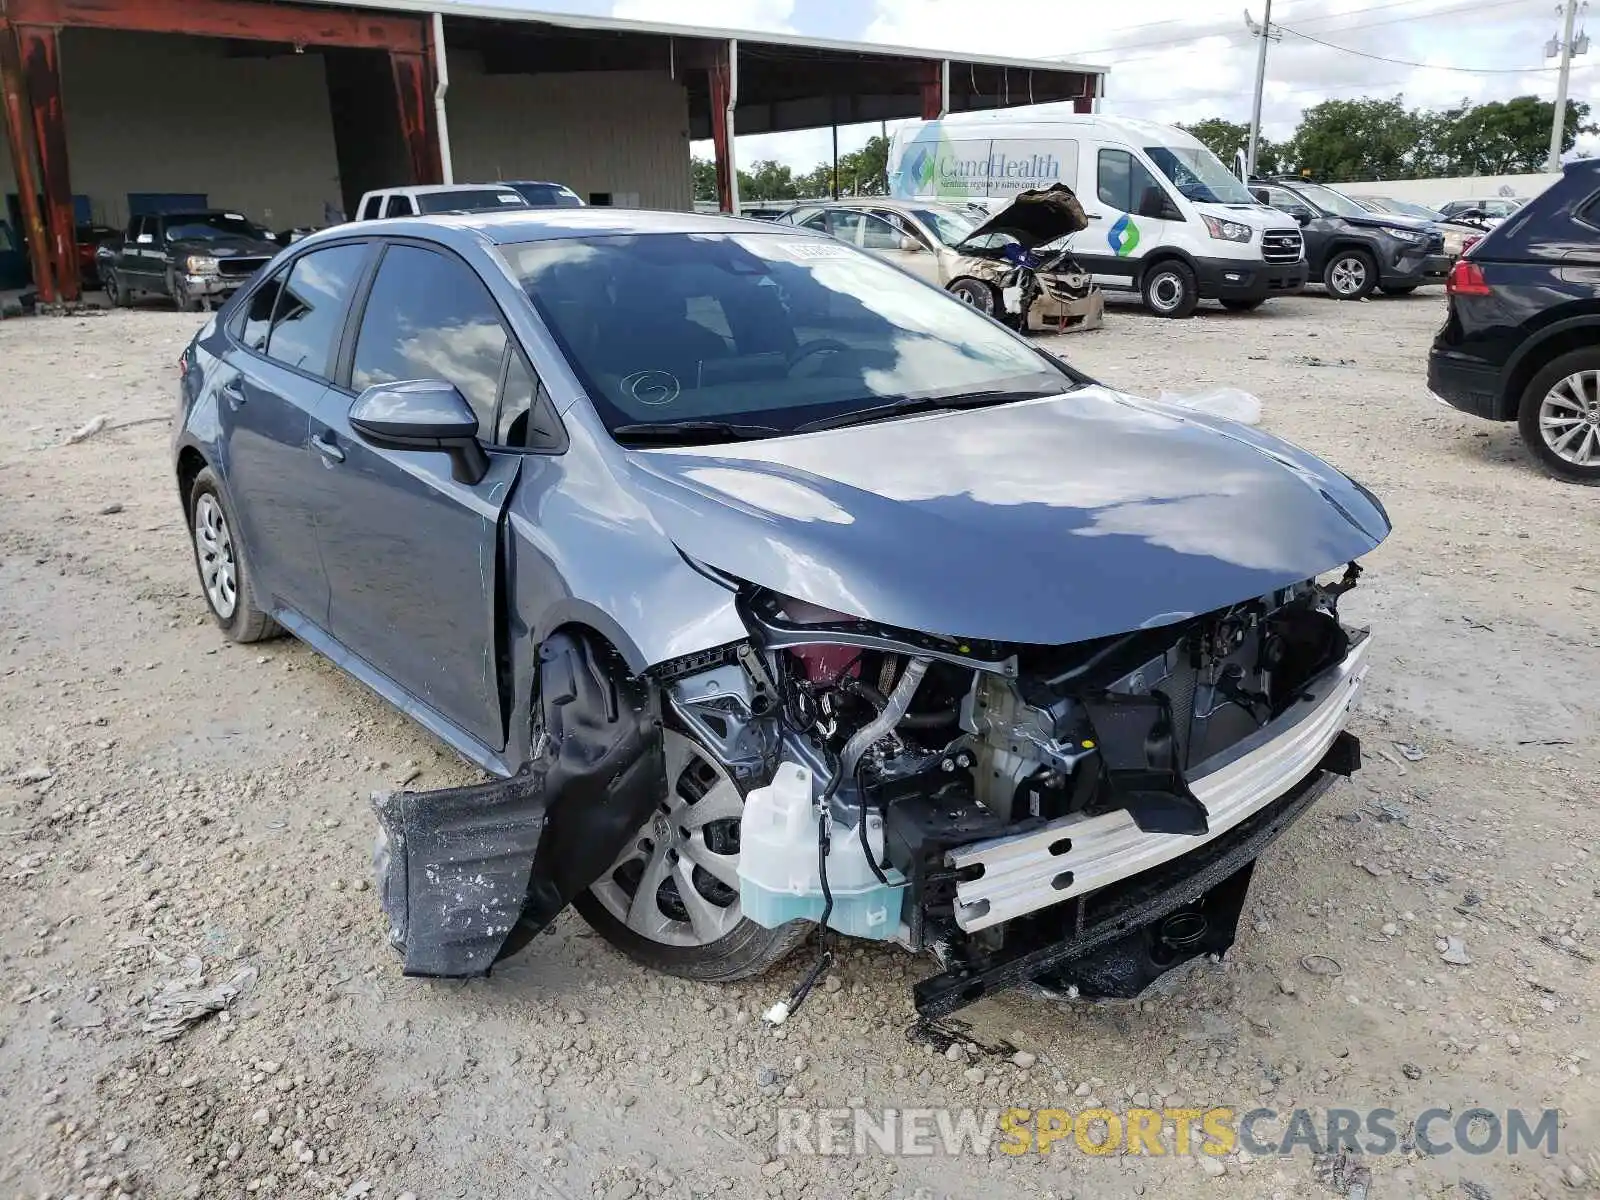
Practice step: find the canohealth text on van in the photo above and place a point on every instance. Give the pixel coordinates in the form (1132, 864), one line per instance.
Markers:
(1166, 218)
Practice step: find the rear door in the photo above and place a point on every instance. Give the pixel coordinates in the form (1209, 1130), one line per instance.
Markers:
(283, 345)
(412, 553)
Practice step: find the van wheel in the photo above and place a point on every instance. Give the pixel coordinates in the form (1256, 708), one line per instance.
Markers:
(976, 293)
(1350, 275)
(1560, 416)
(1170, 289)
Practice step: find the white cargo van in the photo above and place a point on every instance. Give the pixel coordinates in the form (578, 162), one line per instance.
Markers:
(1166, 218)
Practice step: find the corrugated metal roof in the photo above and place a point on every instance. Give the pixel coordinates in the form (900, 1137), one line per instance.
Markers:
(506, 12)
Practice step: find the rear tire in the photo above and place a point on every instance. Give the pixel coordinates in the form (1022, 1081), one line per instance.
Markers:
(1350, 275)
(1561, 408)
(1243, 305)
(116, 294)
(1170, 289)
(225, 579)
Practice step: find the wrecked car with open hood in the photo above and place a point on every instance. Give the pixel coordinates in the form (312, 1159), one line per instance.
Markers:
(1012, 264)
(774, 591)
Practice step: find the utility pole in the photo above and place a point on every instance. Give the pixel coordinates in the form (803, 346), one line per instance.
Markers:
(1566, 48)
(1265, 32)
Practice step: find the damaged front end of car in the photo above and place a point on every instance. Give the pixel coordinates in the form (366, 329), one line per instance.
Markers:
(1082, 817)
(1021, 252)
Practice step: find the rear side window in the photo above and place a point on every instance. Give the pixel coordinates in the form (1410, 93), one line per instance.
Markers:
(310, 311)
(399, 205)
(430, 317)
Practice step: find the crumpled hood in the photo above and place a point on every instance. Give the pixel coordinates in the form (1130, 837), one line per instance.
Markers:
(1036, 217)
(1048, 521)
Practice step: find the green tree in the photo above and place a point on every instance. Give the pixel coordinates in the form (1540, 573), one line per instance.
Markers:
(704, 173)
(767, 179)
(865, 172)
(1359, 139)
(816, 183)
(1226, 138)
(1505, 137)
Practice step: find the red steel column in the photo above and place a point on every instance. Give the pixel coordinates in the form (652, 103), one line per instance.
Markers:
(722, 150)
(41, 68)
(933, 98)
(413, 90)
(19, 135)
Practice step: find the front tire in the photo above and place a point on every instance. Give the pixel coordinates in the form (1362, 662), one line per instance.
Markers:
(116, 294)
(1170, 290)
(978, 294)
(1560, 417)
(1350, 275)
(225, 579)
(670, 901)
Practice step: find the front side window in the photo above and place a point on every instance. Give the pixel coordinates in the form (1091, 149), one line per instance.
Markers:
(845, 224)
(1127, 185)
(430, 317)
(399, 205)
(766, 328)
(311, 310)
(881, 232)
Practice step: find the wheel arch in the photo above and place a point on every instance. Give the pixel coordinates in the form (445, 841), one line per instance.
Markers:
(1165, 254)
(1537, 352)
(189, 465)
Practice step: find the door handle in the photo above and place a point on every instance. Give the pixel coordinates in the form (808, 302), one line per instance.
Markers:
(233, 393)
(324, 445)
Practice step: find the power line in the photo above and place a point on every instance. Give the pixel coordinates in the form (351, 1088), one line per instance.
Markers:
(1405, 62)
(1222, 31)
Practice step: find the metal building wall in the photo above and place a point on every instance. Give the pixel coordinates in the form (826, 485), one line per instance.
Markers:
(159, 113)
(622, 132)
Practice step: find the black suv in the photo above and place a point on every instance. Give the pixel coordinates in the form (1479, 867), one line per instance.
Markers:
(1355, 250)
(1522, 338)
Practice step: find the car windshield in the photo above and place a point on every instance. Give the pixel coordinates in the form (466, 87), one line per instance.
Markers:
(1329, 200)
(548, 195)
(772, 329)
(211, 227)
(470, 200)
(949, 225)
(1199, 175)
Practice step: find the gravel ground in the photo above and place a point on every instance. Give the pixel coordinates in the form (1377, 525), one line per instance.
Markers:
(164, 795)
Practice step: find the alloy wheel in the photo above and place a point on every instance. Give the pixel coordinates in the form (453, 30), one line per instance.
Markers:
(1569, 419)
(213, 543)
(1349, 276)
(976, 294)
(676, 883)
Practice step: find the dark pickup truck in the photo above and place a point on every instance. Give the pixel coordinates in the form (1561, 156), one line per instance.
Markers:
(196, 258)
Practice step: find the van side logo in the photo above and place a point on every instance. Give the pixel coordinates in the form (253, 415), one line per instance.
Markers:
(1123, 237)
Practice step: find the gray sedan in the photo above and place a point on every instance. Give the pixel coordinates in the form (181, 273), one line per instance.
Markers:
(648, 514)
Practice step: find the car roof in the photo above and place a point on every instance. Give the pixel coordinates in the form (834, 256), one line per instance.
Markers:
(434, 189)
(547, 224)
(893, 202)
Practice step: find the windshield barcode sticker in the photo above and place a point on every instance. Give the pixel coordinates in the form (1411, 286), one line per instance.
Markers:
(816, 249)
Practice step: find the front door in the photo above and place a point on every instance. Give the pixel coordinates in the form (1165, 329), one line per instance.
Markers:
(884, 234)
(413, 554)
(1124, 219)
(268, 389)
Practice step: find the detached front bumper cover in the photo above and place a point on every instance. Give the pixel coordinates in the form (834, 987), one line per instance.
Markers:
(468, 875)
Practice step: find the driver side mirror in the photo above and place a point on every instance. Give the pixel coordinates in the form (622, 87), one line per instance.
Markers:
(910, 245)
(1302, 215)
(422, 414)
